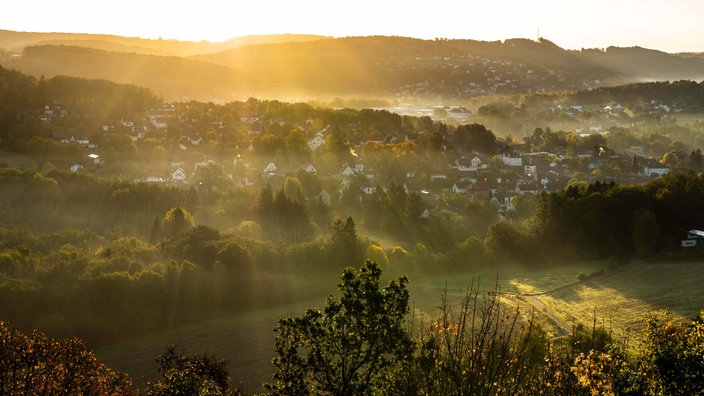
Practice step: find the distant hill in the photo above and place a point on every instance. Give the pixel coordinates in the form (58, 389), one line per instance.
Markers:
(173, 78)
(379, 66)
(641, 64)
(17, 41)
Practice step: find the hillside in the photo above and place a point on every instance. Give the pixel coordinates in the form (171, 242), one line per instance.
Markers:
(173, 78)
(641, 64)
(17, 41)
(307, 67)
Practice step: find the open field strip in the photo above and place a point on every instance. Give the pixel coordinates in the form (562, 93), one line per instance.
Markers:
(624, 298)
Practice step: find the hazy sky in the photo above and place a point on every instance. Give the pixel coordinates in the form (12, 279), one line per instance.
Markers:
(668, 25)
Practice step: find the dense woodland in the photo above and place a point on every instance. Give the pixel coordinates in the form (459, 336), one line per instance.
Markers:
(102, 255)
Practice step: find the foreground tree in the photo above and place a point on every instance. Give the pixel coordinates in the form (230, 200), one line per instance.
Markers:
(351, 346)
(191, 375)
(673, 357)
(37, 365)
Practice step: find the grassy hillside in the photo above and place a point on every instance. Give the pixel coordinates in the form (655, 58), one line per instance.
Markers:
(621, 299)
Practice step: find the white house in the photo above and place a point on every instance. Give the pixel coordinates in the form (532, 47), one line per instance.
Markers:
(310, 169)
(531, 171)
(655, 171)
(511, 160)
(347, 171)
(437, 176)
(368, 190)
(464, 164)
(153, 179)
(317, 141)
(324, 197)
(271, 168)
(179, 175)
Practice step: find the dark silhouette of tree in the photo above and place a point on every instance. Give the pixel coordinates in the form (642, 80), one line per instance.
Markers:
(155, 233)
(349, 347)
(183, 374)
(476, 137)
(344, 240)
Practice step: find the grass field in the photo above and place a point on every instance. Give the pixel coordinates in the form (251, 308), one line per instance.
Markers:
(621, 299)
(687, 120)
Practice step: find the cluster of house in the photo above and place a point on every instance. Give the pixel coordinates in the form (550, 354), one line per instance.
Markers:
(474, 176)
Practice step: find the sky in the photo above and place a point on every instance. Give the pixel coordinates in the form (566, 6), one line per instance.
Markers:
(666, 25)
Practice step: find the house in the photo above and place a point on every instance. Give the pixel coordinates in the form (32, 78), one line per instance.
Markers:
(310, 169)
(502, 201)
(347, 171)
(659, 171)
(317, 141)
(81, 141)
(270, 168)
(531, 171)
(437, 176)
(153, 179)
(528, 188)
(368, 189)
(692, 237)
(461, 188)
(95, 158)
(652, 167)
(466, 164)
(511, 160)
(324, 197)
(178, 176)
(76, 167)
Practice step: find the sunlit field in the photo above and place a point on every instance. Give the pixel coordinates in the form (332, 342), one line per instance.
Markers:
(621, 299)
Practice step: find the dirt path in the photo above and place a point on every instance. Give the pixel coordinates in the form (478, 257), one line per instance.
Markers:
(564, 328)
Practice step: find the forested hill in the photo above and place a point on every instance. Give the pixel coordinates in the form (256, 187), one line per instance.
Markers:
(173, 78)
(16, 41)
(378, 66)
(22, 94)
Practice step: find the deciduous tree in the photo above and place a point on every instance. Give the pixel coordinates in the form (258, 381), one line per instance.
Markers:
(350, 346)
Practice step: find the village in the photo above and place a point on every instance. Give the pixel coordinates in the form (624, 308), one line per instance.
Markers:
(180, 146)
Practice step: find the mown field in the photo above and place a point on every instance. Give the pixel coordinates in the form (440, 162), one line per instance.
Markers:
(621, 298)
(688, 120)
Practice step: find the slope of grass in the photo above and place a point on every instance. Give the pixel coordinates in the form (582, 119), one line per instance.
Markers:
(622, 299)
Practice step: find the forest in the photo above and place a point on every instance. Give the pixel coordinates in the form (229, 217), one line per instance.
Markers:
(96, 254)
